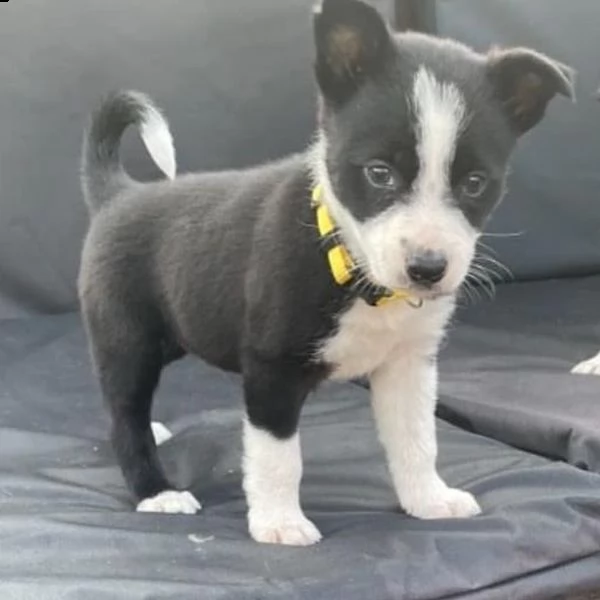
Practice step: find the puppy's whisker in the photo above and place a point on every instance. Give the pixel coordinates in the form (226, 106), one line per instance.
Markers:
(470, 291)
(487, 247)
(487, 271)
(504, 270)
(483, 272)
(504, 235)
(481, 278)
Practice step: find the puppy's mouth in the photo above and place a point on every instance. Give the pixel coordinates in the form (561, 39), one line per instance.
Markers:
(428, 293)
(425, 290)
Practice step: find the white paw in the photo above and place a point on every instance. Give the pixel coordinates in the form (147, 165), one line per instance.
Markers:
(444, 503)
(160, 432)
(591, 366)
(293, 530)
(170, 501)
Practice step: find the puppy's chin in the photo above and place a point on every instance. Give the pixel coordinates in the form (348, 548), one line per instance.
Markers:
(429, 293)
(433, 294)
(444, 289)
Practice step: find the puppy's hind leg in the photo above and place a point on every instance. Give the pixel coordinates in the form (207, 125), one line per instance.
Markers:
(129, 370)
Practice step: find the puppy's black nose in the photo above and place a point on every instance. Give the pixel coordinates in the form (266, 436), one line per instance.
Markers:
(427, 268)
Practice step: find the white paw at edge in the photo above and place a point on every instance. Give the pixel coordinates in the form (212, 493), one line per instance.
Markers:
(160, 432)
(170, 501)
(591, 366)
(291, 530)
(448, 503)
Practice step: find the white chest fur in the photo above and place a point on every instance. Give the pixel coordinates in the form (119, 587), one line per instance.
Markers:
(367, 337)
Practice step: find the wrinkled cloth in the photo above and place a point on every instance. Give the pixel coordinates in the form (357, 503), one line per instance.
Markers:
(68, 529)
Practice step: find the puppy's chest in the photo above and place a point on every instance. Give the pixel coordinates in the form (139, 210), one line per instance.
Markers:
(368, 337)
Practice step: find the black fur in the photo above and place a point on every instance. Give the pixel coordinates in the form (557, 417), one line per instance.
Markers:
(228, 266)
(352, 47)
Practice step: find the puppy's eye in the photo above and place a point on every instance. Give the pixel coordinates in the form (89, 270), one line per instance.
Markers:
(380, 175)
(474, 184)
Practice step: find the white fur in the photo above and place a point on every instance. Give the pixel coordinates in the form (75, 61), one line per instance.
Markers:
(591, 366)
(170, 501)
(404, 392)
(160, 432)
(440, 111)
(158, 140)
(272, 473)
(366, 337)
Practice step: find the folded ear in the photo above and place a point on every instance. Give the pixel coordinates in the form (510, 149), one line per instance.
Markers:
(352, 43)
(525, 81)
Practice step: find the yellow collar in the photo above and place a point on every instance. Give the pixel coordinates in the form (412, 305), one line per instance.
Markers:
(341, 265)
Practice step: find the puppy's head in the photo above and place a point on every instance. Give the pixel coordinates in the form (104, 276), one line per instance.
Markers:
(414, 141)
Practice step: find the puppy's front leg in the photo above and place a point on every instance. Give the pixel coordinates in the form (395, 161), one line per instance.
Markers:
(272, 461)
(404, 393)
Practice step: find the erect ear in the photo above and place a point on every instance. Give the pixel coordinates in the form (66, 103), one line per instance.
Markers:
(525, 81)
(352, 43)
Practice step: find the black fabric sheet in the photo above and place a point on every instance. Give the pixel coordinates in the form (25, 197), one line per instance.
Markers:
(67, 528)
(507, 369)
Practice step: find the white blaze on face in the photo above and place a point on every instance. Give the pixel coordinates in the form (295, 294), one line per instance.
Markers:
(430, 221)
(440, 112)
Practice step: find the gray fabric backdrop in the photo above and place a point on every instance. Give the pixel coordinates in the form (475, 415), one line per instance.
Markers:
(235, 80)
(554, 197)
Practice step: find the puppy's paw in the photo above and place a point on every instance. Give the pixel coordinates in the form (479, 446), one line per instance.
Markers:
(290, 530)
(160, 432)
(170, 501)
(444, 503)
(591, 366)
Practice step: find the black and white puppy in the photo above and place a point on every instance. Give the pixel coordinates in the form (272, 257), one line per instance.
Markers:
(414, 138)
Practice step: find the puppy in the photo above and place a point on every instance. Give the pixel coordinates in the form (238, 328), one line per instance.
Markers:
(340, 262)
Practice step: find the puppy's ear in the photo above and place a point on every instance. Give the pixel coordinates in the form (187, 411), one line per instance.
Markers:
(525, 81)
(352, 43)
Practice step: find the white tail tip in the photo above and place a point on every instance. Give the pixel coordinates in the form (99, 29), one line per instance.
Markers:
(159, 141)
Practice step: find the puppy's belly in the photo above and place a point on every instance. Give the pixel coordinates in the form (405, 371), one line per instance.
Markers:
(210, 336)
(221, 354)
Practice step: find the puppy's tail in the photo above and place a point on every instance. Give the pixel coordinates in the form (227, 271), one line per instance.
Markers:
(102, 175)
